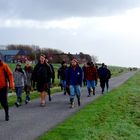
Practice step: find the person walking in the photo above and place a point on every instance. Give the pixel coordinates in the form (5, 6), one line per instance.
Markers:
(62, 75)
(74, 77)
(103, 76)
(41, 75)
(20, 81)
(84, 74)
(108, 76)
(6, 79)
(28, 71)
(91, 77)
(52, 77)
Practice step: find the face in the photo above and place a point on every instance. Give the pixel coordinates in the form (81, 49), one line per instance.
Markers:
(42, 59)
(18, 66)
(73, 63)
(27, 64)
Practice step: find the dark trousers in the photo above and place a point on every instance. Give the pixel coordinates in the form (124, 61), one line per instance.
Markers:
(102, 84)
(3, 100)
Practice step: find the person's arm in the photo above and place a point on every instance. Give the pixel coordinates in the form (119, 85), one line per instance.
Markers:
(10, 76)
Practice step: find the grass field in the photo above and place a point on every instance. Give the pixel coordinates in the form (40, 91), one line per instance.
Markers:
(115, 116)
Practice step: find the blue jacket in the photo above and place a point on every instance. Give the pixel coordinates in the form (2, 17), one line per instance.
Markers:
(74, 76)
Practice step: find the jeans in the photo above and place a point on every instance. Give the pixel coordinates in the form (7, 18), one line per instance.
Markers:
(91, 83)
(63, 82)
(75, 90)
(19, 94)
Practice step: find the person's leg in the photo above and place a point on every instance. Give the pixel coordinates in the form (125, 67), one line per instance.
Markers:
(72, 94)
(49, 91)
(64, 86)
(102, 82)
(88, 88)
(93, 84)
(27, 91)
(43, 98)
(107, 84)
(4, 102)
(78, 94)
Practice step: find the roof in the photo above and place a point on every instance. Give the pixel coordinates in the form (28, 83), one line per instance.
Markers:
(9, 52)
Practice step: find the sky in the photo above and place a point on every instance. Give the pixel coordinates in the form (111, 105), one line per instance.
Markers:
(108, 29)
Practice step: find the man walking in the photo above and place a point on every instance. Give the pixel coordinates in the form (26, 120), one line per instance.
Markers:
(103, 76)
(74, 77)
(5, 76)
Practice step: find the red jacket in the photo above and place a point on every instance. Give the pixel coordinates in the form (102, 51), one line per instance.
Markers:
(91, 73)
(5, 70)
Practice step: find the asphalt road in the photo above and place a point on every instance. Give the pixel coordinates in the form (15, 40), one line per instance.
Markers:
(30, 121)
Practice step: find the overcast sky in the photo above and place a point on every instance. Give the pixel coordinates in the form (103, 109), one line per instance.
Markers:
(108, 29)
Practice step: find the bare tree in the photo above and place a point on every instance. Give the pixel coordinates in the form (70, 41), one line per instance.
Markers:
(94, 59)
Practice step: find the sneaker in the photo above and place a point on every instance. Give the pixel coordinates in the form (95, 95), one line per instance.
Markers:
(89, 95)
(72, 105)
(26, 101)
(17, 104)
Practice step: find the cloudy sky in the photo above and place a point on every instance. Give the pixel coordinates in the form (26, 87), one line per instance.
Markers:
(108, 29)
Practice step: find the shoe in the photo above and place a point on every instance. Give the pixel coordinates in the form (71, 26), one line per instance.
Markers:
(88, 95)
(42, 104)
(79, 102)
(26, 101)
(64, 93)
(17, 104)
(6, 117)
(93, 93)
(50, 98)
(72, 105)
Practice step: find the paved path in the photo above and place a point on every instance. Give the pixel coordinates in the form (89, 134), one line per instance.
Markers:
(30, 121)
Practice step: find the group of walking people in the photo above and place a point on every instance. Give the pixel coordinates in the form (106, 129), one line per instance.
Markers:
(42, 75)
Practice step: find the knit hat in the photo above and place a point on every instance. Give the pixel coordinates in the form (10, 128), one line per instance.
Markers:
(18, 64)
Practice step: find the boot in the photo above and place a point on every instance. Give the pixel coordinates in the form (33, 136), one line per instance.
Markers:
(72, 103)
(6, 115)
(79, 102)
(89, 92)
(93, 91)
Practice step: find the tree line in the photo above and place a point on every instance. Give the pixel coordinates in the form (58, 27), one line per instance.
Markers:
(53, 55)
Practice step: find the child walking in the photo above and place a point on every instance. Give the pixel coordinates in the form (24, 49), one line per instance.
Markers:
(20, 81)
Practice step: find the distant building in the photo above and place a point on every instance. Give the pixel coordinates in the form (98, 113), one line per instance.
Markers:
(13, 56)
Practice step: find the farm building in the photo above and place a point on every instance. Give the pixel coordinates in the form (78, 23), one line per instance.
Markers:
(12, 56)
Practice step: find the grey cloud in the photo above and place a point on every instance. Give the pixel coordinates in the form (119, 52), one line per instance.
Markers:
(50, 9)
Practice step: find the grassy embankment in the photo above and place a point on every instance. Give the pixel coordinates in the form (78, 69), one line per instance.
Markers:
(114, 116)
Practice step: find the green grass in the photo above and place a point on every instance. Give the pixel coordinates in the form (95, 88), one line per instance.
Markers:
(114, 116)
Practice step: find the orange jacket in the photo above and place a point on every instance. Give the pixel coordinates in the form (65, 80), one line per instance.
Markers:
(3, 82)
